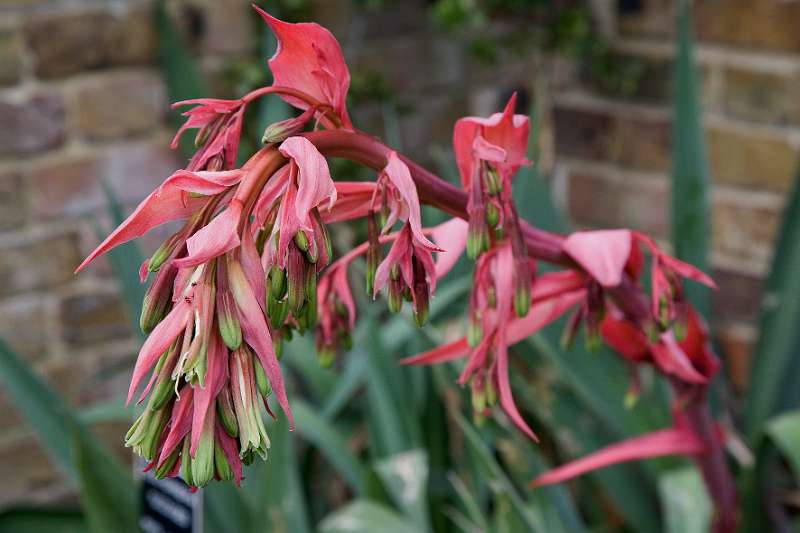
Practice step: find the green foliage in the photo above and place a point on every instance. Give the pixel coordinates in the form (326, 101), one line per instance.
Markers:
(691, 220)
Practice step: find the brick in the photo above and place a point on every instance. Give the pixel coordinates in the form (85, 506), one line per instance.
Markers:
(228, 26)
(31, 125)
(643, 144)
(601, 201)
(38, 263)
(634, 77)
(751, 160)
(737, 342)
(738, 297)
(67, 42)
(761, 97)
(616, 137)
(13, 201)
(583, 133)
(26, 326)
(10, 56)
(744, 228)
(749, 23)
(92, 317)
(648, 18)
(95, 110)
(72, 185)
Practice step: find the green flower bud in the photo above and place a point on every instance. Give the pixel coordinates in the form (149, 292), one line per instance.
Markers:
(262, 383)
(221, 465)
(226, 414)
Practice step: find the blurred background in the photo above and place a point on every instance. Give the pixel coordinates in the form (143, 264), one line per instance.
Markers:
(85, 126)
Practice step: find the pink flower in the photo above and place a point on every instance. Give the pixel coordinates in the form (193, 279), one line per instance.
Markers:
(219, 125)
(310, 60)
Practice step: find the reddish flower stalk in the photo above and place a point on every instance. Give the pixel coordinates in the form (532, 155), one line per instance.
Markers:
(254, 263)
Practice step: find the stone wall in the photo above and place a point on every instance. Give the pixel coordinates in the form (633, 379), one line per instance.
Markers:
(82, 100)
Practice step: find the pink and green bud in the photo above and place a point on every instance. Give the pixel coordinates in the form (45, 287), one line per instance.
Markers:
(203, 460)
(277, 283)
(221, 466)
(228, 320)
(262, 383)
(494, 185)
(492, 215)
(157, 299)
(226, 414)
(166, 466)
(373, 252)
(186, 463)
(280, 131)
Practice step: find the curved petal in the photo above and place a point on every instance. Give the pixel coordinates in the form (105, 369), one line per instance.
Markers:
(603, 254)
(400, 176)
(440, 354)
(314, 183)
(219, 236)
(506, 398)
(310, 60)
(451, 237)
(656, 444)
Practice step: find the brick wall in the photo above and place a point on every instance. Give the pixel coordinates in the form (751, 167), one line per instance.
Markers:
(82, 100)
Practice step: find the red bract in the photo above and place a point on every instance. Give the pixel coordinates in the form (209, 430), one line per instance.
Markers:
(254, 263)
(310, 60)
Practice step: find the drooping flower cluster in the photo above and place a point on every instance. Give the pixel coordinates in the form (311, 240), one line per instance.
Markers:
(253, 264)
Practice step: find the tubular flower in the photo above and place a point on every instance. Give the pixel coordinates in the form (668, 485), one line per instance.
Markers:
(253, 262)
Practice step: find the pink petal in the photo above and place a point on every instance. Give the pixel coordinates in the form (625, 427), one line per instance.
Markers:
(157, 343)
(256, 333)
(252, 267)
(400, 254)
(180, 422)
(231, 451)
(400, 176)
(354, 200)
(342, 288)
(487, 151)
(216, 376)
(314, 179)
(218, 237)
(554, 283)
(451, 236)
(625, 338)
(656, 444)
(165, 204)
(310, 60)
(683, 269)
(440, 354)
(506, 399)
(603, 254)
(543, 313)
(671, 359)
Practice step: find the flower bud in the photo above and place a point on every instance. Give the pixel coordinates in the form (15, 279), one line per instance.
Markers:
(225, 412)
(164, 251)
(395, 296)
(373, 252)
(296, 278)
(326, 356)
(215, 163)
(301, 240)
(228, 320)
(277, 280)
(262, 383)
(323, 236)
(474, 333)
(494, 185)
(280, 131)
(167, 465)
(278, 311)
(477, 234)
(478, 395)
(157, 300)
(186, 463)
(522, 298)
(491, 393)
(492, 215)
(203, 461)
(221, 466)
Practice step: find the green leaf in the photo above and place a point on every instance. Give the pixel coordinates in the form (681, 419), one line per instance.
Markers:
(784, 431)
(779, 337)
(124, 260)
(405, 476)
(284, 501)
(39, 520)
(685, 502)
(105, 510)
(182, 73)
(363, 516)
(691, 219)
(330, 443)
(72, 447)
(499, 482)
